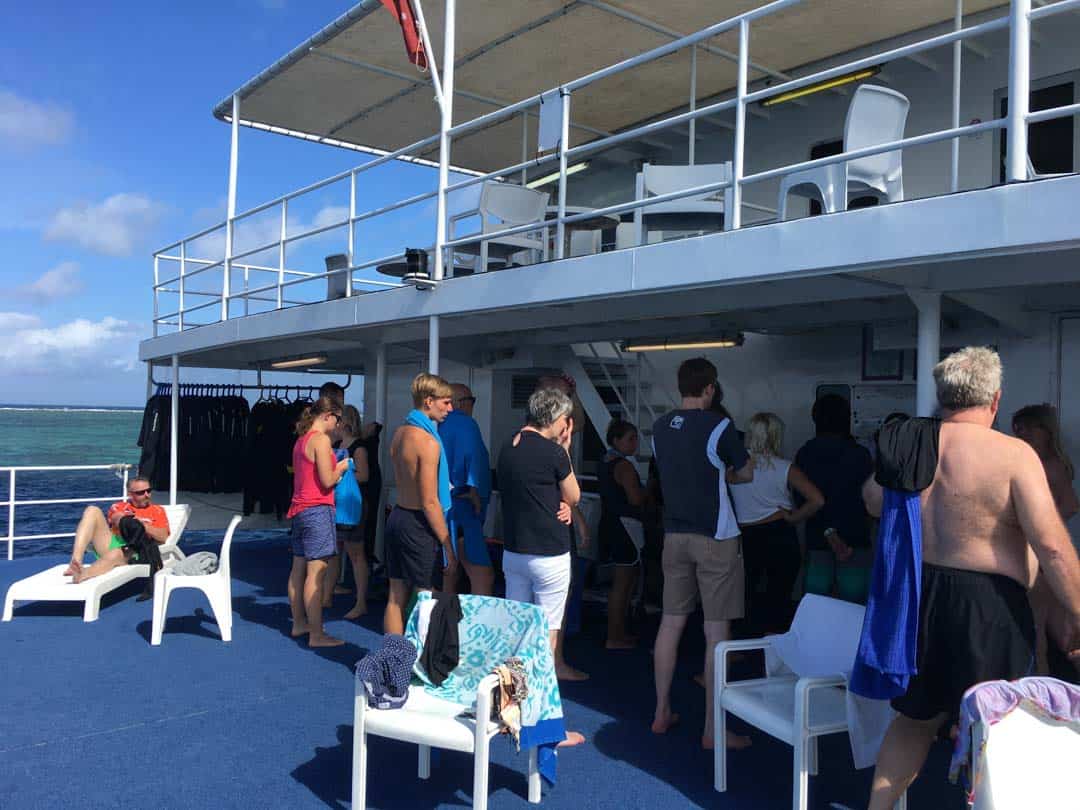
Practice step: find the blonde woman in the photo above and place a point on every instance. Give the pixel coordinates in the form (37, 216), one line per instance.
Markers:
(767, 516)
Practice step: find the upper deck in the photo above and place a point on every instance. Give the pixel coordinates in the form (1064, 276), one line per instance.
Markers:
(968, 220)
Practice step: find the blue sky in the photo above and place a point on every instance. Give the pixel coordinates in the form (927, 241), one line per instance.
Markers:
(108, 150)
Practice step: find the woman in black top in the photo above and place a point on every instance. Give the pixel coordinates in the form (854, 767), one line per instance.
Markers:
(622, 534)
(537, 486)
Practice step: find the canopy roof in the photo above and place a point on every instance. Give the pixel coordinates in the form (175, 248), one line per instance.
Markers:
(352, 84)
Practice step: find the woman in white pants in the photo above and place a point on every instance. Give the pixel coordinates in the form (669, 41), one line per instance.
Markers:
(537, 486)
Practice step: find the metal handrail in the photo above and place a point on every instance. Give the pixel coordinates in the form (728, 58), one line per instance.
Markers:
(12, 502)
(742, 98)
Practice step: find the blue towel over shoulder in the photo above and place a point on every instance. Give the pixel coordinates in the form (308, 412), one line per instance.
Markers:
(906, 464)
(417, 418)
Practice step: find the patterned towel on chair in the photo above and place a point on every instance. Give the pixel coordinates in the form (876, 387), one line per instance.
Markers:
(492, 630)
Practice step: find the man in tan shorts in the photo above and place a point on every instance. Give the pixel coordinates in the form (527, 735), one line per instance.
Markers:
(697, 452)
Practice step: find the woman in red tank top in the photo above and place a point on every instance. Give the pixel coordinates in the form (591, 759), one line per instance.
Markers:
(315, 474)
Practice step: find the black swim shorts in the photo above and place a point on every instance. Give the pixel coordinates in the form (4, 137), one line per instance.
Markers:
(412, 550)
(973, 627)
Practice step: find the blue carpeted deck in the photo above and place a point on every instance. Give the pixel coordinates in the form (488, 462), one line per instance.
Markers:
(93, 716)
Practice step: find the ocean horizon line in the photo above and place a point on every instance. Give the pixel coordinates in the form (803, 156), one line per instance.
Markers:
(20, 406)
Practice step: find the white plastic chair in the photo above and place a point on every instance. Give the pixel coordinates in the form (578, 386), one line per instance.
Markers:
(217, 587)
(585, 243)
(655, 180)
(792, 709)
(876, 115)
(178, 515)
(432, 722)
(1029, 761)
(501, 206)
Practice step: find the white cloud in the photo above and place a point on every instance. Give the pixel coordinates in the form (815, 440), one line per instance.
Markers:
(112, 227)
(31, 123)
(27, 345)
(59, 282)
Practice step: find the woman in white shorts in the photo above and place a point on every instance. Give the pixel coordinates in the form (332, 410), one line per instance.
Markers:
(537, 487)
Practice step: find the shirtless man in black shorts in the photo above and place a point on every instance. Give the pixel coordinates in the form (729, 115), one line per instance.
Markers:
(417, 527)
(988, 523)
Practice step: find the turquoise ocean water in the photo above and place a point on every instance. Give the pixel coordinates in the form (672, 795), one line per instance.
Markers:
(32, 435)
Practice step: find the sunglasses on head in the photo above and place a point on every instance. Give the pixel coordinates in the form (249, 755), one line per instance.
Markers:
(146, 491)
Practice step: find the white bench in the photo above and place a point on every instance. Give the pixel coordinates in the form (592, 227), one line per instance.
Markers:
(51, 585)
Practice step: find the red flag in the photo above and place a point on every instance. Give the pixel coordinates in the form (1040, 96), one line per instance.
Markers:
(414, 44)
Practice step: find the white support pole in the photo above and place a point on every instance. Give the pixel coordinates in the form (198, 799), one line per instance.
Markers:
(1016, 153)
(157, 291)
(560, 228)
(230, 211)
(524, 146)
(149, 380)
(281, 252)
(446, 104)
(957, 50)
(352, 236)
(691, 147)
(174, 430)
(733, 218)
(11, 515)
(183, 272)
(928, 304)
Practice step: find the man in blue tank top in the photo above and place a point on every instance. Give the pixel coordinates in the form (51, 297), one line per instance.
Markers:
(698, 452)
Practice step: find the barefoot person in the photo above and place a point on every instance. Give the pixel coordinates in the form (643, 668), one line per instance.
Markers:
(417, 526)
(988, 508)
(470, 481)
(314, 540)
(622, 503)
(99, 533)
(538, 488)
(697, 450)
(349, 510)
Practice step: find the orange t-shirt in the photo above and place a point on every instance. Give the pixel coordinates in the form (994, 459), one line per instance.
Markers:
(152, 513)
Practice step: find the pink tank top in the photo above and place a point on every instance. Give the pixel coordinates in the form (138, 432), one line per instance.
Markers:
(307, 488)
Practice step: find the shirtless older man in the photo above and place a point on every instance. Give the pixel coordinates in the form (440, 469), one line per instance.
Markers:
(988, 521)
(417, 525)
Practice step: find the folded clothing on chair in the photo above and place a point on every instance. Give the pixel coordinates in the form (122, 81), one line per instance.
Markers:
(386, 672)
(197, 564)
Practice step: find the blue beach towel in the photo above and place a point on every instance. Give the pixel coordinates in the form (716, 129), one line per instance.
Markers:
(886, 658)
(417, 418)
(490, 631)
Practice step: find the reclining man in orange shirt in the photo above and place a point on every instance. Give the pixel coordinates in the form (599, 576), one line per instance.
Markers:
(103, 531)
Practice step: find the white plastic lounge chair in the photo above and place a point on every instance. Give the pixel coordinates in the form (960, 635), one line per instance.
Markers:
(875, 115)
(51, 585)
(696, 210)
(792, 709)
(217, 587)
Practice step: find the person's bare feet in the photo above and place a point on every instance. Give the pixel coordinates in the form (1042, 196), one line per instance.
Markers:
(735, 742)
(568, 673)
(302, 630)
(356, 612)
(323, 640)
(663, 723)
(73, 569)
(572, 738)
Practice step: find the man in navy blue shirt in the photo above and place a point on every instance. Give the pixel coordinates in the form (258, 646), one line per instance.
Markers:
(698, 452)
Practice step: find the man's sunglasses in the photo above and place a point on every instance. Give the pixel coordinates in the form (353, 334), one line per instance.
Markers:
(146, 491)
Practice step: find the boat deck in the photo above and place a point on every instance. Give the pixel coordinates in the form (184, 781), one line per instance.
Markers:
(96, 717)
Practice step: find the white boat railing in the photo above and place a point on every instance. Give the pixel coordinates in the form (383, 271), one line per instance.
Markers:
(1017, 21)
(122, 470)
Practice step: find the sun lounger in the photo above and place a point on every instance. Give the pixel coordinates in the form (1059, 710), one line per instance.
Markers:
(51, 585)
